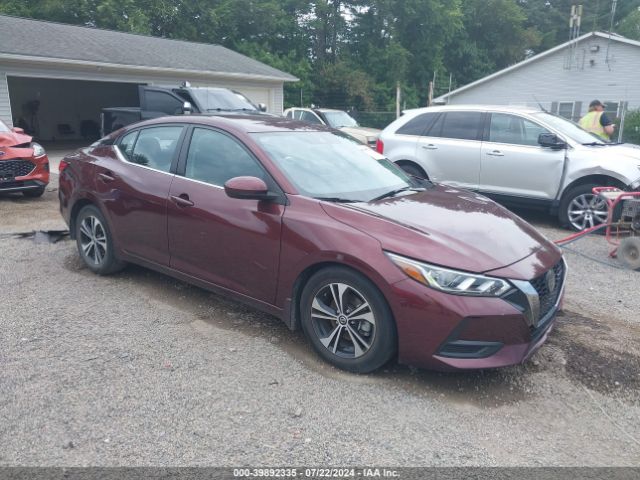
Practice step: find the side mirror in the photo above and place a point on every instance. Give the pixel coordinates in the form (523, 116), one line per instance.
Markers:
(187, 108)
(262, 107)
(17, 130)
(551, 140)
(248, 188)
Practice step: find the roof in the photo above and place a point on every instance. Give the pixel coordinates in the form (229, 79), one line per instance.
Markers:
(480, 108)
(27, 39)
(612, 36)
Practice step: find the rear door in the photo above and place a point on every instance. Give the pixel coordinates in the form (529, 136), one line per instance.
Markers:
(225, 241)
(133, 185)
(450, 149)
(514, 164)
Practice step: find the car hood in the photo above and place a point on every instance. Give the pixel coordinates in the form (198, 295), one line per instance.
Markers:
(9, 149)
(627, 150)
(11, 139)
(448, 227)
(363, 131)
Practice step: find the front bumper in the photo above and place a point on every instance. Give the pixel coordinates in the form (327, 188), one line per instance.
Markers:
(14, 177)
(448, 332)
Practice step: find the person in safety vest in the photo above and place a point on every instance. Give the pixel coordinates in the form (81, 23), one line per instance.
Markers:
(596, 121)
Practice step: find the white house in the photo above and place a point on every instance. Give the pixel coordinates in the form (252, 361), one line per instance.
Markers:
(565, 79)
(54, 74)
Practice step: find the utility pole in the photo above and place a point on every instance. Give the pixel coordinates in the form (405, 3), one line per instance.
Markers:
(397, 99)
(614, 3)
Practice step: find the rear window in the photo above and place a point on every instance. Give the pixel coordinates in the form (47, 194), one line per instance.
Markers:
(460, 125)
(418, 125)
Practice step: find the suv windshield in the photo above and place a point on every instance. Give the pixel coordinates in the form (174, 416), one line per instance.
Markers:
(214, 99)
(339, 119)
(568, 128)
(331, 167)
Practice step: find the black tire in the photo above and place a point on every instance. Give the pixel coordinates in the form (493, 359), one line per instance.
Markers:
(33, 193)
(629, 252)
(94, 241)
(413, 169)
(361, 301)
(569, 203)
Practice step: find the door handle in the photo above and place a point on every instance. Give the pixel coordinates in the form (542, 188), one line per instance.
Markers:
(182, 200)
(496, 153)
(431, 146)
(106, 177)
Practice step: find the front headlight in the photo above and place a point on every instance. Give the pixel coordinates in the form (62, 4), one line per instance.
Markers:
(38, 150)
(451, 281)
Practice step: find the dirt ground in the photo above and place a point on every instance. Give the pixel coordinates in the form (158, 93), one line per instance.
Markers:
(141, 369)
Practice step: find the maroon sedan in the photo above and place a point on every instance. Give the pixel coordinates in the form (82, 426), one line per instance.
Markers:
(303, 223)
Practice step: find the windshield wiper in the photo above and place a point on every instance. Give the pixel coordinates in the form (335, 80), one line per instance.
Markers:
(337, 199)
(594, 144)
(393, 193)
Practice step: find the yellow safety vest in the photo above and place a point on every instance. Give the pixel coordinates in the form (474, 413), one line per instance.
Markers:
(591, 123)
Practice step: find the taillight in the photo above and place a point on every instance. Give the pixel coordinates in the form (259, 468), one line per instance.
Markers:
(63, 164)
(379, 146)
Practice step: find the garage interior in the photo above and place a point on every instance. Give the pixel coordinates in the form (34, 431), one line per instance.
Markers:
(63, 111)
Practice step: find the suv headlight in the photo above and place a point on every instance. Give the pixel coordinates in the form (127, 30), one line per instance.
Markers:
(450, 281)
(38, 150)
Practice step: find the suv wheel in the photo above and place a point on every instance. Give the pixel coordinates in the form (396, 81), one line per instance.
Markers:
(33, 193)
(581, 209)
(413, 169)
(347, 320)
(95, 243)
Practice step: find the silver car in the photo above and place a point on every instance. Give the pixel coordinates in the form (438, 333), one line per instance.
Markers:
(517, 156)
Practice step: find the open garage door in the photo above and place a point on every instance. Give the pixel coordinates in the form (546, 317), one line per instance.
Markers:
(55, 110)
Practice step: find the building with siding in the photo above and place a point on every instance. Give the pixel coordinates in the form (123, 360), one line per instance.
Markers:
(565, 79)
(54, 75)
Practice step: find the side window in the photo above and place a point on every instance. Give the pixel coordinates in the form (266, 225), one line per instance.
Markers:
(515, 130)
(156, 147)
(418, 125)
(462, 125)
(163, 102)
(126, 144)
(290, 114)
(215, 158)
(310, 118)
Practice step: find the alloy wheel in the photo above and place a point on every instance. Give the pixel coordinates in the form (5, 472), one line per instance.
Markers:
(586, 211)
(93, 240)
(343, 320)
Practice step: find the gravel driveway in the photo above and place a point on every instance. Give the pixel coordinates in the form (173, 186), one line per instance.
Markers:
(140, 369)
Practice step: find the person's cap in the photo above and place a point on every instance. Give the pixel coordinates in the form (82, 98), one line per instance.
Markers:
(596, 103)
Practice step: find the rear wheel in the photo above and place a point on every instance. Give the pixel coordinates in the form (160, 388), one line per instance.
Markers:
(95, 243)
(347, 320)
(581, 209)
(413, 169)
(33, 193)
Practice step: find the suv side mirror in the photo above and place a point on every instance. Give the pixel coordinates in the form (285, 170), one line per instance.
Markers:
(262, 107)
(248, 188)
(551, 140)
(187, 108)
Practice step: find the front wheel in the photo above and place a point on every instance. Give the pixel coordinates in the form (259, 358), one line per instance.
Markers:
(581, 209)
(347, 320)
(95, 243)
(34, 193)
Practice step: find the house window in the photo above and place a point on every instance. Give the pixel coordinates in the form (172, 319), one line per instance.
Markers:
(565, 109)
(611, 109)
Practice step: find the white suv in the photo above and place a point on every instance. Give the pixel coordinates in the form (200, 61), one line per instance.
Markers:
(517, 156)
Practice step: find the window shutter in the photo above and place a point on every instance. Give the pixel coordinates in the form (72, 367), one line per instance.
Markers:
(577, 111)
(554, 107)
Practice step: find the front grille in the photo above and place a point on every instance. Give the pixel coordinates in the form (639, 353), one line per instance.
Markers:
(16, 168)
(549, 296)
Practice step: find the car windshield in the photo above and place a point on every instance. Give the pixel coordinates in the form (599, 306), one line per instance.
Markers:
(3, 127)
(568, 128)
(332, 167)
(214, 99)
(340, 119)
